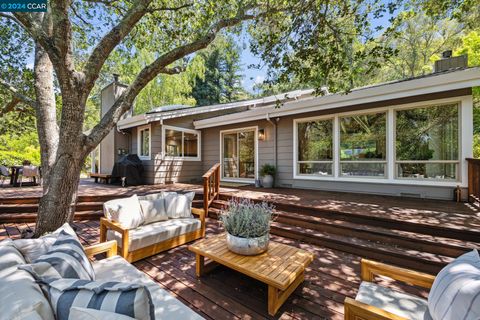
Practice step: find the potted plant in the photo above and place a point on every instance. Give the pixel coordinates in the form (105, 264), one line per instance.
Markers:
(267, 172)
(247, 225)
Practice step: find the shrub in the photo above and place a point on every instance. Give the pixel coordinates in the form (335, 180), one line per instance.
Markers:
(267, 169)
(246, 219)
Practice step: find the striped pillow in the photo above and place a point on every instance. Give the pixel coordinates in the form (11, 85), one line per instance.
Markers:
(129, 299)
(455, 293)
(65, 259)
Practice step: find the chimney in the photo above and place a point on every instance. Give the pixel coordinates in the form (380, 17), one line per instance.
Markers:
(447, 62)
(116, 77)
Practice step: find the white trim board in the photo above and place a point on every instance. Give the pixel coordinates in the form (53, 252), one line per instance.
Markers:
(461, 79)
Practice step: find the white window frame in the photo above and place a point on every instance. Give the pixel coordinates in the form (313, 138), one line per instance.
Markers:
(236, 130)
(384, 162)
(183, 130)
(334, 148)
(465, 145)
(457, 162)
(139, 142)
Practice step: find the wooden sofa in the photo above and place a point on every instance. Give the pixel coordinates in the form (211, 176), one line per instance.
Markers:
(357, 310)
(138, 254)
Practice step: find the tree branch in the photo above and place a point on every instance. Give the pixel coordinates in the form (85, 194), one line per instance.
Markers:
(148, 73)
(103, 49)
(10, 106)
(17, 94)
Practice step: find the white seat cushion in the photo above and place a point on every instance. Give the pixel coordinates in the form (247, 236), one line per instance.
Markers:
(166, 306)
(401, 304)
(77, 313)
(455, 293)
(125, 211)
(150, 234)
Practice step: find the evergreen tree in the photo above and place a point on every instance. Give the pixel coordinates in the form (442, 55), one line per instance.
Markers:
(221, 82)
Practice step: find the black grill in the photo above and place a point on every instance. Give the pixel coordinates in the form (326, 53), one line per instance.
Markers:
(129, 170)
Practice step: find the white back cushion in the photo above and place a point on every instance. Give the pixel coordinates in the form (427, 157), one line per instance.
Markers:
(32, 249)
(153, 210)
(179, 205)
(19, 294)
(125, 211)
(455, 293)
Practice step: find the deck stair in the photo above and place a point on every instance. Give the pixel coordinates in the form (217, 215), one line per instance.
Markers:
(422, 247)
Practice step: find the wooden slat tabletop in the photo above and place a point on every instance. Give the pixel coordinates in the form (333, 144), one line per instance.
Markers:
(278, 267)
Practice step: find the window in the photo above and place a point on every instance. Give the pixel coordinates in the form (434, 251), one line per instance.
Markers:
(363, 145)
(315, 148)
(427, 143)
(181, 143)
(144, 145)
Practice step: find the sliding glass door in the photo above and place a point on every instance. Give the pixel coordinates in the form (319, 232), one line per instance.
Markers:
(238, 154)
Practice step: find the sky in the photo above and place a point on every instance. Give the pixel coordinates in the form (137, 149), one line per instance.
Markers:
(253, 76)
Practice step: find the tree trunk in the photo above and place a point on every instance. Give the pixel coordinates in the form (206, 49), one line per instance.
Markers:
(57, 204)
(45, 111)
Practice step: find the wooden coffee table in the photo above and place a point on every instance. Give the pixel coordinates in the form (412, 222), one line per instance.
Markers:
(281, 267)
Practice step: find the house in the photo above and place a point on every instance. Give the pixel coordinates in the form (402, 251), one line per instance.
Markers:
(405, 138)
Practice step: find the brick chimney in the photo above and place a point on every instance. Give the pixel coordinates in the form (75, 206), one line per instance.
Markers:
(447, 62)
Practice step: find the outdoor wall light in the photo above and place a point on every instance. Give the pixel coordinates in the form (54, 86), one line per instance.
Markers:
(261, 134)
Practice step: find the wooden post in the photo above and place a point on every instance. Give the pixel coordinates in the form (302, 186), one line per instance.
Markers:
(217, 183)
(205, 195)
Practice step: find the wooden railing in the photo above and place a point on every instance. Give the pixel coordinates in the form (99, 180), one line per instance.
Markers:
(211, 186)
(473, 180)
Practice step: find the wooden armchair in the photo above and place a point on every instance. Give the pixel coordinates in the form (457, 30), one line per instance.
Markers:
(356, 310)
(135, 255)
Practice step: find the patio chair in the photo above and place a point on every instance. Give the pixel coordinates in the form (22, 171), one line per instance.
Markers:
(30, 172)
(4, 174)
(452, 292)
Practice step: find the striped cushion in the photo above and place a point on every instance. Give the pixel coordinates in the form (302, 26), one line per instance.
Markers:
(129, 299)
(65, 259)
(455, 293)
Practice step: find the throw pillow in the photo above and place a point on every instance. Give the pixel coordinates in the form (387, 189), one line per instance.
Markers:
(32, 249)
(179, 205)
(125, 211)
(129, 299)
(77, 313)
(455, 293)
(153, 210)
(65, 259)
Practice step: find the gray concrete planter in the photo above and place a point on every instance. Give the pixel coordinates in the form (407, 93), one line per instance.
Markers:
(267, 181)
(247, 246)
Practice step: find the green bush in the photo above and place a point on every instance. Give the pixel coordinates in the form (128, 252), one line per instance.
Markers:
(267, 170)
(15, 150)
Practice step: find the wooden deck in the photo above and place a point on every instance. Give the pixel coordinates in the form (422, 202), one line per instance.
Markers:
(226, 294)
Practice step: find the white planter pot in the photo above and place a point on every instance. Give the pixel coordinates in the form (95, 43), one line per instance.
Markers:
(267, 181)
(247, 246)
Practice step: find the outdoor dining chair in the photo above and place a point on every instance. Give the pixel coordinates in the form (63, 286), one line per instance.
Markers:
(4, 174)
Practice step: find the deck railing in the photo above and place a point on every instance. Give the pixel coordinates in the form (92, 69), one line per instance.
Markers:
(473, 180)
(211, 186)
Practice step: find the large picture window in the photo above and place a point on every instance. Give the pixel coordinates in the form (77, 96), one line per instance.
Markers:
(143, 142)
(427, 143)
(363, 145)
(181, 143)
(315, 148)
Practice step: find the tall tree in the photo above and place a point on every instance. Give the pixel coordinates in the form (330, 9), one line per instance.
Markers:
(74, 40)
(221, 81)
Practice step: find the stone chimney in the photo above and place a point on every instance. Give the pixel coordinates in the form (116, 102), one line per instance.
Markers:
(447, 62)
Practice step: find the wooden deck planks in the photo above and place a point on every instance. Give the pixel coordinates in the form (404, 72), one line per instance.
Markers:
(227, 294)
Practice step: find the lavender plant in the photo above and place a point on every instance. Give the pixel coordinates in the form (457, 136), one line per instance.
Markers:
(246, 219)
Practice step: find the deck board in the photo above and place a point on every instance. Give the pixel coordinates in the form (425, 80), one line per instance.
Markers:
(227, 294)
